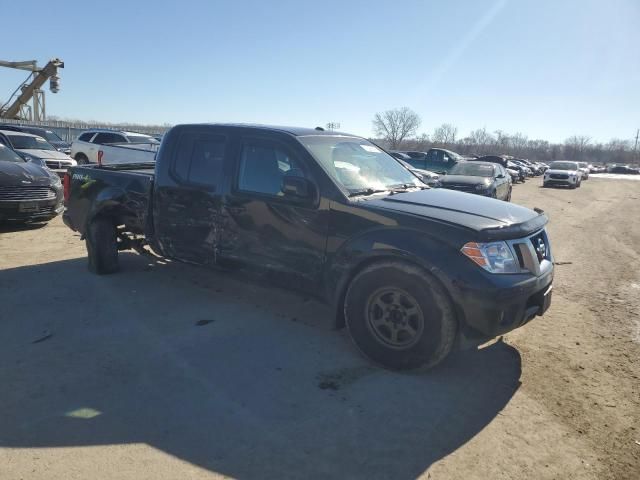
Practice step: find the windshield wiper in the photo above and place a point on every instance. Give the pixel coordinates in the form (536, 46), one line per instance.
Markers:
(365, 191)
(402, 187)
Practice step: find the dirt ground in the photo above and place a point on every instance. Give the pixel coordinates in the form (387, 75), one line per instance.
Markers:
(167, 371)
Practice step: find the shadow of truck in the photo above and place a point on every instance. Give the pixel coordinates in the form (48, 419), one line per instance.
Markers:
(235, 378)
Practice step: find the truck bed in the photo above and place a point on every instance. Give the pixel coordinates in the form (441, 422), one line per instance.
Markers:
(126, 153)
(123, 190)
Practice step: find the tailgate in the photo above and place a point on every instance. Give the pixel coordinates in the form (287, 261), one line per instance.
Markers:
(122, 194)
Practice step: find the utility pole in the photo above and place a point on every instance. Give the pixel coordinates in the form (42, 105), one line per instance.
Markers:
(635, 147)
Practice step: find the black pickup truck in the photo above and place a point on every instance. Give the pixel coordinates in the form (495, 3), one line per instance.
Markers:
(411, 271)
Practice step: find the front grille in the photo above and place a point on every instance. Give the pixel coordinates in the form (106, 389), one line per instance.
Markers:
(533, 253)
(13, 213)
(559, 176)
(57, 165)
(25, 194)
(460, 186)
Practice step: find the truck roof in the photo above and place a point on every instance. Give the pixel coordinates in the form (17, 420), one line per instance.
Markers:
(295, 131)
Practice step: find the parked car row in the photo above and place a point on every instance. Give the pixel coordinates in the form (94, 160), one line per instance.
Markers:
(34, 159)
(439, 167)
(624, 169)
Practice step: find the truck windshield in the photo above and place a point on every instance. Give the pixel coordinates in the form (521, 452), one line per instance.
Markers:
(357, 164)
(8, 155)
(472, 169)
(25, 142)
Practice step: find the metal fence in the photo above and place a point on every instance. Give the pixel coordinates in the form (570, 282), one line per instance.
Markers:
(69, 131)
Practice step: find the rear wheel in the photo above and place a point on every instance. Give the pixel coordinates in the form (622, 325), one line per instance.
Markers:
(102, 246)
(399, 316)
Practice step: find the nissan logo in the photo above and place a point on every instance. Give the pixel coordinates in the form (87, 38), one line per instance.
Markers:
(541, 250)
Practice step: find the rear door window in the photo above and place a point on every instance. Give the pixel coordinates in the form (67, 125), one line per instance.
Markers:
(199, 159)
(108, 137)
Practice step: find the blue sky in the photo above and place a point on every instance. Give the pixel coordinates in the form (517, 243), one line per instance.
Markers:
(546, 68)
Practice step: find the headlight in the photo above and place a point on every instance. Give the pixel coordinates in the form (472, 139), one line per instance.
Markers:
(55, 179)
(494, 257)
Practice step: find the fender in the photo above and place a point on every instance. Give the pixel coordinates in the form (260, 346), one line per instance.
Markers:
(110, 202)
(387, 243)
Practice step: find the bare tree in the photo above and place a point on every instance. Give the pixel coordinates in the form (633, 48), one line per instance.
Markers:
(576, 146)
(445, 134)
(518, 143)
(396, 125)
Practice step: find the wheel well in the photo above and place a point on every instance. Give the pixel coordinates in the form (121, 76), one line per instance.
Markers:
(344, 286)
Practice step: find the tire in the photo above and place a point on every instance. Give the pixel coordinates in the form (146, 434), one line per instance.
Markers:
(508, 199)
(494, 194)
(102, 247)
(82, 159)
(372, 302)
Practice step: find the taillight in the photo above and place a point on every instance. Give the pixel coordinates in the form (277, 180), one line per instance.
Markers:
(100, 154)
(66, 183)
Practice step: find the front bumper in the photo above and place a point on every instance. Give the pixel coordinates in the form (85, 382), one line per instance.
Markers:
(39, 211)
(507, 307)
(567, 182)
(489, 305)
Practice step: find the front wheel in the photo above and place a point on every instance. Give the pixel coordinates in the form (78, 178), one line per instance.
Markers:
(508, 199)
(399, 317)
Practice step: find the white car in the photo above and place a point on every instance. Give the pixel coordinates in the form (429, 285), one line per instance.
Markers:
(584, 168)
(85, 149)
(563, 173)
(36, 149)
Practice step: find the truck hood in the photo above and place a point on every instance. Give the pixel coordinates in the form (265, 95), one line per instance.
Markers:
(493, 219)
(464, 180)
(48, 154)
(21, 174)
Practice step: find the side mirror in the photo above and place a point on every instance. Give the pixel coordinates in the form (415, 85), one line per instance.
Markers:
(298, 188)
(500, 176)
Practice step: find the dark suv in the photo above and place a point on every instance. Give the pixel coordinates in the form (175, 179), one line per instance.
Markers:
(436, 160)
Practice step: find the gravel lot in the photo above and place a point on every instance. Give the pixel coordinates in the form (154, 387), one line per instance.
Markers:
(169, 371)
